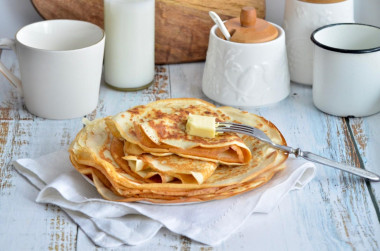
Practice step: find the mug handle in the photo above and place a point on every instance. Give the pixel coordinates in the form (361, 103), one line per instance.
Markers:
(6, 43)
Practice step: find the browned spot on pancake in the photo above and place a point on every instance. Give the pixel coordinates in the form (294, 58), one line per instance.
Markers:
(157, 114)
(163, 131)
(132, 132)
(136, 110)
(219, 139)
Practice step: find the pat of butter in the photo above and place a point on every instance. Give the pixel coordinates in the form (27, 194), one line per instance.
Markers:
(202, 126)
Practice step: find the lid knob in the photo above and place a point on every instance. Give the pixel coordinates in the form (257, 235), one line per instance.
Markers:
(248, 28)
(248, 17)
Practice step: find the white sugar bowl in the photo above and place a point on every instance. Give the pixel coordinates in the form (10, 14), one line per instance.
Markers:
(247, 70)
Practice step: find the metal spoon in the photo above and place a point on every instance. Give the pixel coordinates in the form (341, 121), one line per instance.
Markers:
(220, 24)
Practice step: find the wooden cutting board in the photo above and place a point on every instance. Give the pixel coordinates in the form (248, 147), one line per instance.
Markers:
(182, 26)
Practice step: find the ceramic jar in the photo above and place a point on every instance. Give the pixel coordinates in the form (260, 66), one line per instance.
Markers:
(301, 18)
(246, 74)
(249, 69)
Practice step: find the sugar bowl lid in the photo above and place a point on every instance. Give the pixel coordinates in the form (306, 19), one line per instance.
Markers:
(248, 28)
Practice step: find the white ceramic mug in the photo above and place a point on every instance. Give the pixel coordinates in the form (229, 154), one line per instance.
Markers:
(246, 74)
(300, 20)
(60, 67)
(347, 69)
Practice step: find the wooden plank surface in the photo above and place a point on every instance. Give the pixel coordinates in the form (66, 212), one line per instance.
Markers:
(335, 211)
(366, 132)
(24, 224)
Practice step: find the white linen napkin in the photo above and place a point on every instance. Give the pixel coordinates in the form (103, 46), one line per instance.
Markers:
(111, 224)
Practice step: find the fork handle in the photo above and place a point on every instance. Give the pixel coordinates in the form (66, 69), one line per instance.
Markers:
(354, 170)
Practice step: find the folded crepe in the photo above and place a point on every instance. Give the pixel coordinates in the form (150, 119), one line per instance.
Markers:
(124, 171)
(96, 147)
(169, 168)
(159, 127)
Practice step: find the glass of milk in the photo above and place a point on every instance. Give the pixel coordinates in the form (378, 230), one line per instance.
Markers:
(129, 49)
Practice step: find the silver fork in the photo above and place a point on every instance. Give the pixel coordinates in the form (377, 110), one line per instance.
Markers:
(260, 135)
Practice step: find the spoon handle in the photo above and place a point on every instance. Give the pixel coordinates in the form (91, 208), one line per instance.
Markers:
(220, 24)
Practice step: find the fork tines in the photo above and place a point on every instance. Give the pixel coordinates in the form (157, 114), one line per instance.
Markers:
(229, 126)
(243, 129)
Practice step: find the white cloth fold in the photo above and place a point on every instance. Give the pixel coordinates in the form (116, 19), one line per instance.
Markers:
(111, 224)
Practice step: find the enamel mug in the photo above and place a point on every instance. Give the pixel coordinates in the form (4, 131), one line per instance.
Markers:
(347, 69)
(60, 67)
(301, 18)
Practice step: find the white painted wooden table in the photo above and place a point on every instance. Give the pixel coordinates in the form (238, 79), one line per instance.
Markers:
(336, 211)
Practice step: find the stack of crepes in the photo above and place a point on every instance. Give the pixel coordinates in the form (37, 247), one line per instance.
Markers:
(144, 154)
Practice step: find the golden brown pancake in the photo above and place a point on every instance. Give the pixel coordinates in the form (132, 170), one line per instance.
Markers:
(188, 171)
(163, 169)
(159, 127)
(97, 153)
